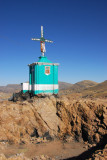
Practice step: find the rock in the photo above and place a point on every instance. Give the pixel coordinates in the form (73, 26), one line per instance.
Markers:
(89, 145)
(97, 158)
(50, 117)
(97, 137)
(105, 153)
(100, 154)
(42, 157)
(93, 145)
(69, 138)
(86, 143)
(105, 115)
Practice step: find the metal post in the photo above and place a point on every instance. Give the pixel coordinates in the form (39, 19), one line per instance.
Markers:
(42, 54)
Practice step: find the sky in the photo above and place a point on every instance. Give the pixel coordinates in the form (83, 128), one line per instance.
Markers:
(77, 27)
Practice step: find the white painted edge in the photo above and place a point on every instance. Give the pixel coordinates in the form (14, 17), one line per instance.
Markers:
(43, 63)
(25, 86)
(44, 87)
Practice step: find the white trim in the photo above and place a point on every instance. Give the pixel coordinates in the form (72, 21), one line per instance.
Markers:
(43, 87)
(25, 86)
(43, 63)
(30, 87)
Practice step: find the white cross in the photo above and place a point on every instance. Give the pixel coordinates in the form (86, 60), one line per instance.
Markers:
(42, 41)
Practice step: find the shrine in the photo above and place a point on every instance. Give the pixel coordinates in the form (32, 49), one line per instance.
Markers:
(43, 75)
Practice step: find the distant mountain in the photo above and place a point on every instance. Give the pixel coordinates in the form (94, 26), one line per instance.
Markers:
(64, 85)
(10, 88)
(99, 90)
(78, 87)
(86, 88)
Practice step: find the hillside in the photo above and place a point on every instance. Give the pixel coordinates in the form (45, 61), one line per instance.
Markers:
(64, 85)
(99, 90)
(77, 87)
(87, 88)
(7, 91)
(10, 88)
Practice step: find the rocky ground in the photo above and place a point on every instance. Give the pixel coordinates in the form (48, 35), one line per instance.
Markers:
(100, 154)
(4, 96)
(65, 119)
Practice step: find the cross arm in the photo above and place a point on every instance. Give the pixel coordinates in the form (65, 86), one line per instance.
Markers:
(35, 39)
(48, 41)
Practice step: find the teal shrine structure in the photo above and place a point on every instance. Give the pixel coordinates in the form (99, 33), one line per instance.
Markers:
(43, 75)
